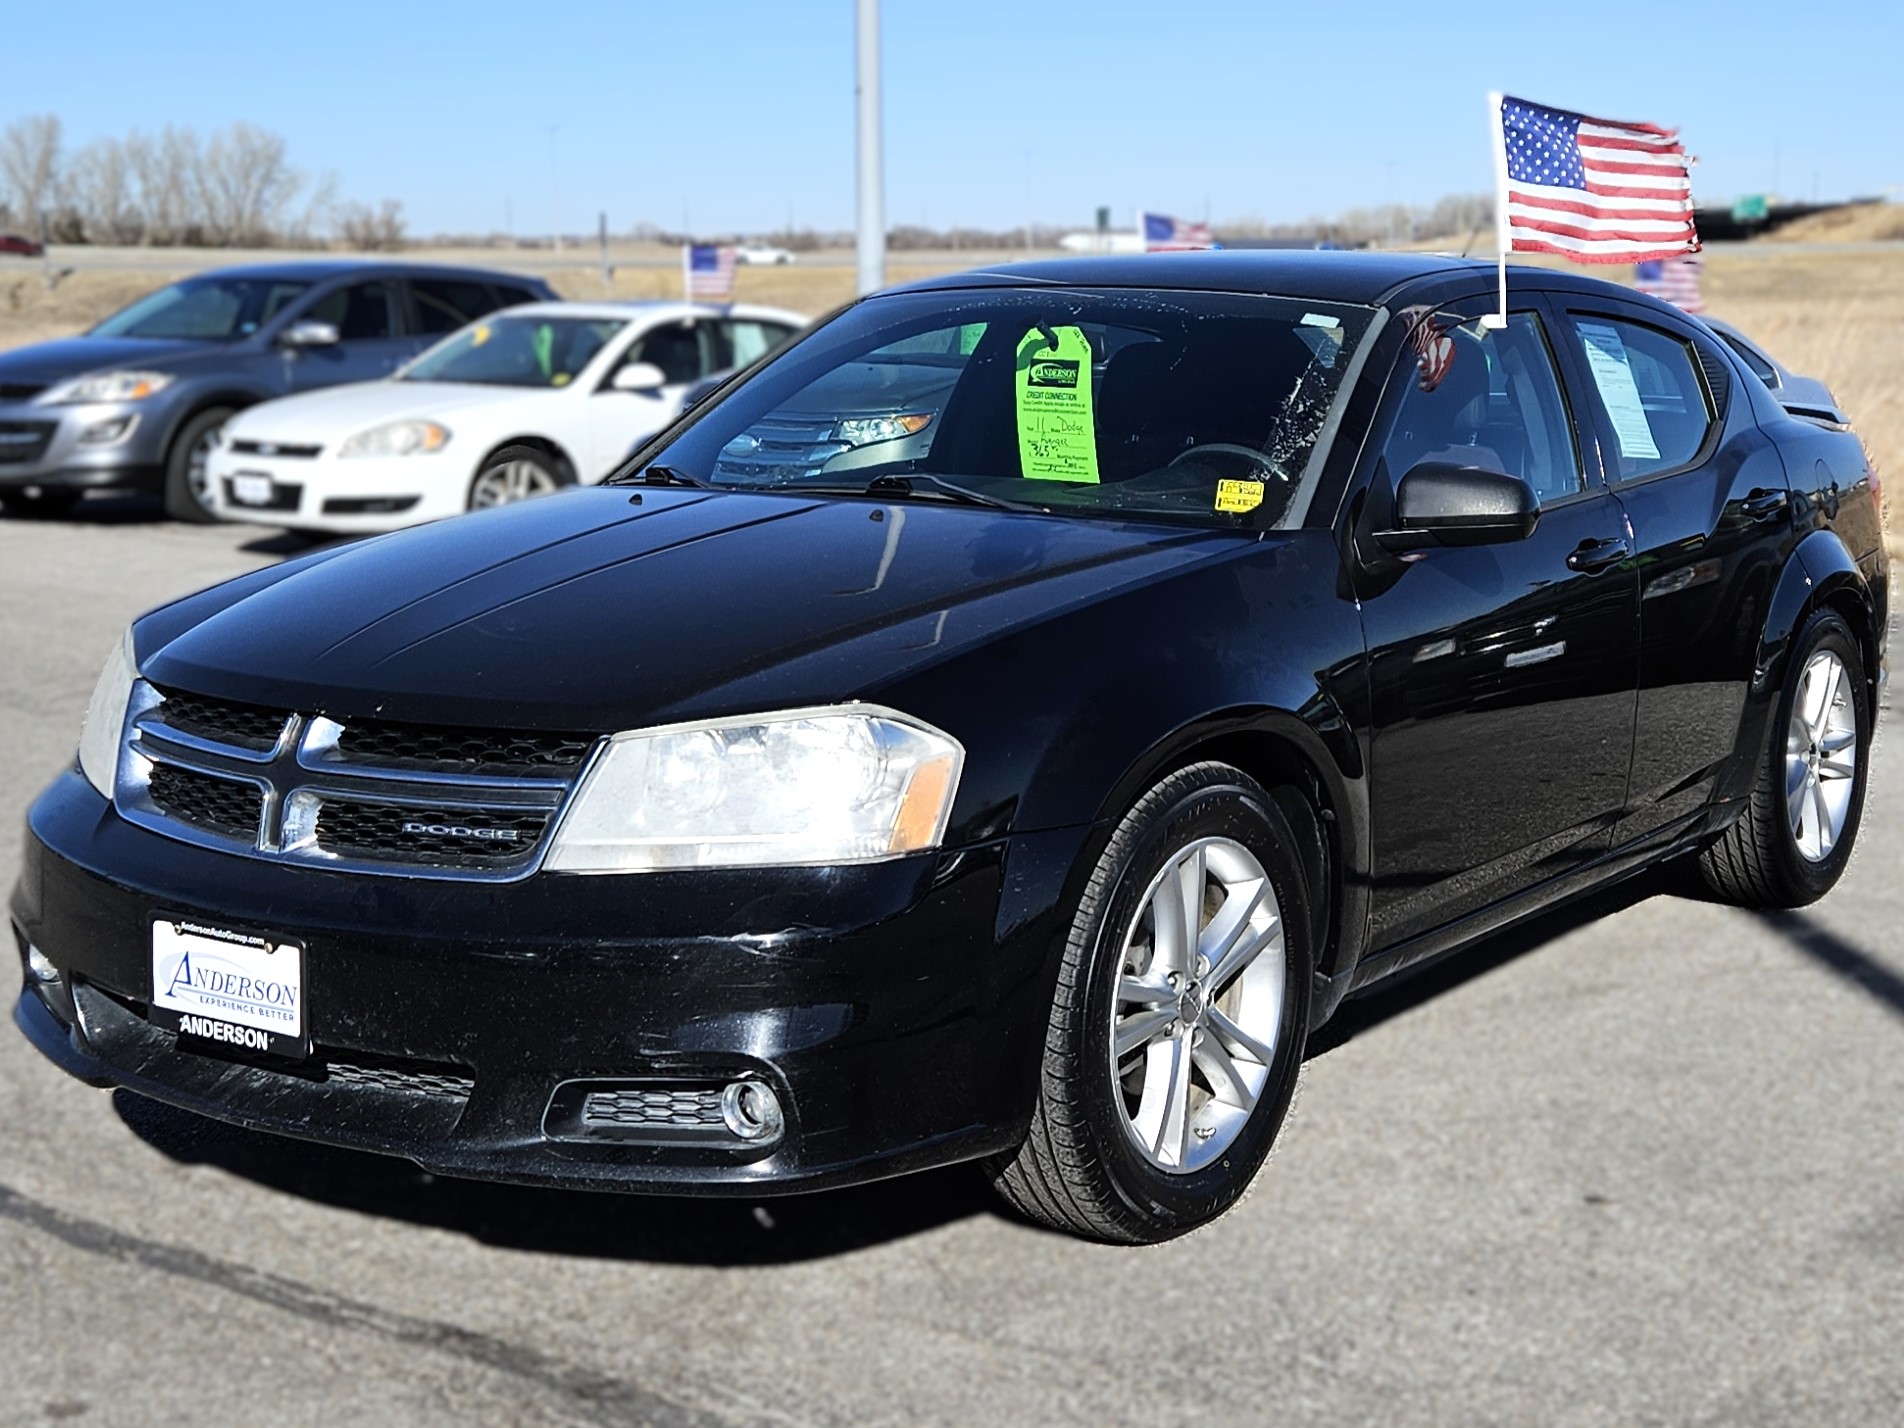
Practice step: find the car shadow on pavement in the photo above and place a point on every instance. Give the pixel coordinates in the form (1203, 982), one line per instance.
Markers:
(733, 1232)
(660, 1229)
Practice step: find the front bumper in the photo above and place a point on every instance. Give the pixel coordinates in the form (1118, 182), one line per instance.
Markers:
(360, 496)
(41, 446)
(897, 1010)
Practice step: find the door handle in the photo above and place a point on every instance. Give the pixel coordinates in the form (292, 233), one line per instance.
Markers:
(1590, 557)
(1763, 505)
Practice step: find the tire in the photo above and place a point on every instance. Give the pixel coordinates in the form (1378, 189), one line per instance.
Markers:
(517, 473)
(39, 501)
(186, 491)
(1114, 1156)
(1810, 781)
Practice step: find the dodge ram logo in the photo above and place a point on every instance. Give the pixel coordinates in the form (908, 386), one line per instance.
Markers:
(459, 830)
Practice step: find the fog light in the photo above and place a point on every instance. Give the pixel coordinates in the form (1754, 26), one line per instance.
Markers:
(751, 1110)
(40, 969)
(105, 433)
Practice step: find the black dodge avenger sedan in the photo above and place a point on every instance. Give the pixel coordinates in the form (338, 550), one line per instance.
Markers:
(1224, 633)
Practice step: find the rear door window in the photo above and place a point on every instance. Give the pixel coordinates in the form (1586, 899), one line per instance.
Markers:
(443, 304)
(750, 340)
(685, 352)
(1649, 391)
(361, 312)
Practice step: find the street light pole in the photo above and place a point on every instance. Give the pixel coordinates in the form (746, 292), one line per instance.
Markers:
(872, 173)
(555, 195)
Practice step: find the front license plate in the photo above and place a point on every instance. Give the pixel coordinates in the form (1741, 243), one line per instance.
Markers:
(251, 489)
(230, 987)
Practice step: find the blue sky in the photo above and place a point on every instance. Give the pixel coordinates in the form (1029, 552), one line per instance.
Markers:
(738, 116)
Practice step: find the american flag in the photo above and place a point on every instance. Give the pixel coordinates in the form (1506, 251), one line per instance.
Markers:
(1164, 234)
(709, 271)
(1595, 190)
(1673, 280)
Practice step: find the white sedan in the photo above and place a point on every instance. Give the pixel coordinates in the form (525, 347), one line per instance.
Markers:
(518, 404)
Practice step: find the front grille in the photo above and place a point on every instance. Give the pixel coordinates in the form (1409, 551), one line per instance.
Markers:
(647, 1107)
(20, 391)
(247, 447)
(462, 750)
(24, 441)
(220, 805)
(244, 726)
(453, 836)
(371, 796)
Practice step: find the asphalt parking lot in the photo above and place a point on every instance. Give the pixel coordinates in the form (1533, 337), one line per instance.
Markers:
(1638, 1168)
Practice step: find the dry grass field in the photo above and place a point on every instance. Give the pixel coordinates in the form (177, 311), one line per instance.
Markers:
(1833, 313)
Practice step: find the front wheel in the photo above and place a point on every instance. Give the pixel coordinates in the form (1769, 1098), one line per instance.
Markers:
(516, 473)
(1793, 839)
(188, 491)
(1177, 1032)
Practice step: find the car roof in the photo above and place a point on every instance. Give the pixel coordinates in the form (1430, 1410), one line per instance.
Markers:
(318, 270)
(1319, 275)
(652, 308)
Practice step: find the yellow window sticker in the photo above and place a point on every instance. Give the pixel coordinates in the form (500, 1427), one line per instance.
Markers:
(481, 335)
(1236, 497)
(1057, 433)
(560, 379)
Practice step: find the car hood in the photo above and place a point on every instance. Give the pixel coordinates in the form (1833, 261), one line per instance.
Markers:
(49, 362)
(607, 608)
(355, 406)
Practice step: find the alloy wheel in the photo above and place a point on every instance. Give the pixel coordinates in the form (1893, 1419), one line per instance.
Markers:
(1198, 1007)
(1821, 756)
(511, 481)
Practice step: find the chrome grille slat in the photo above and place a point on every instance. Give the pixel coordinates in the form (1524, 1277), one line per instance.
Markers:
(314, 805)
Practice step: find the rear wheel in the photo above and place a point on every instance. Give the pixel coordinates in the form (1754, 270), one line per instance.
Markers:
(188, 492)
(38, 500)
(1174, 1044)
(516, 473)
(1794, 838)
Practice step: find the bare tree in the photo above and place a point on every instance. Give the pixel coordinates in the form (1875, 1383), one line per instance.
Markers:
(29, 164)
(99, 189)
(245, 185)
(165, 172)
(372, 230)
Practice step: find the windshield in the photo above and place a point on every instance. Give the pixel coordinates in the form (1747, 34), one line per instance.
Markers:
(204, 309)
(515, 351)
(1186, 406)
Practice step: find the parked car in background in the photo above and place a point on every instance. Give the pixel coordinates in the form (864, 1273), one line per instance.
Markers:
(762, 254)
(518, 404)
(1802, 396)
(24, 246)
(138, 402)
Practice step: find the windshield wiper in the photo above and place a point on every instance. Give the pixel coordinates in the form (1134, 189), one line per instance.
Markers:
(655, 474)
(915, 485)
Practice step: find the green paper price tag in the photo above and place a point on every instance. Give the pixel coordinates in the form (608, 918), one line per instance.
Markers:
(1057, 432)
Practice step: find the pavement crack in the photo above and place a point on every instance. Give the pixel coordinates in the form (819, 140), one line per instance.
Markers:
(597, 1398)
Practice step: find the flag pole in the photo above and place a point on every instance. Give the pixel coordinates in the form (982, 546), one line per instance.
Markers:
(687, 270)
(1501, 227)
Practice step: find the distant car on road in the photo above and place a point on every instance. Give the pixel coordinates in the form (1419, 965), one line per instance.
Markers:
(762, 254)
(518, 404)
(138, 401)
(21, 244)
(1801, 396)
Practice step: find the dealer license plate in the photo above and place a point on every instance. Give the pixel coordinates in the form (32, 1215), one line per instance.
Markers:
(251, 489)
(230, 987)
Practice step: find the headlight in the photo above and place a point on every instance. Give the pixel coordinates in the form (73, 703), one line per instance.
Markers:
(854, 784)
(105, 725)
(108, 387)
(397, 438)
(864, 431)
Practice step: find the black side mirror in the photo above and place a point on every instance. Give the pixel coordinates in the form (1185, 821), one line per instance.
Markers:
(1439, 504)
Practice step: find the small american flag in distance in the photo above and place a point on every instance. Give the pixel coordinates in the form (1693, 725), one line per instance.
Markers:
(710, 268)
(1164, 234)
(1673, 280)
(1596, 190)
